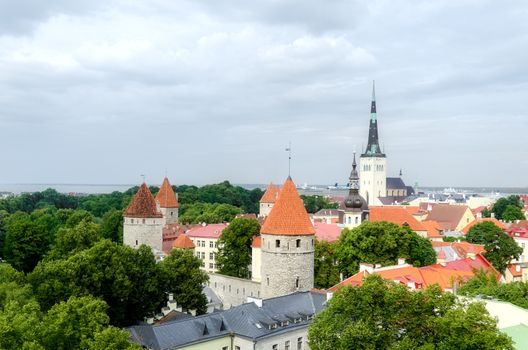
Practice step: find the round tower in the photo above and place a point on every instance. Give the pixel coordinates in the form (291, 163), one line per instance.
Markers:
(287, 246)
(168, 203)
(143, 223)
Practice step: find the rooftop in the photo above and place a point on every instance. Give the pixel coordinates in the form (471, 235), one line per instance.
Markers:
(206, 231)
(142, 205)
(166, 197)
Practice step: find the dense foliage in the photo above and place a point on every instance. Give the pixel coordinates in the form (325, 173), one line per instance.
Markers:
(500, 247)
(326, 272)
(383, 315)
(501, 205)
(381, 243)
(484, 284)
(198, 213)
(76, 323)
(234, 247)
(315, 203)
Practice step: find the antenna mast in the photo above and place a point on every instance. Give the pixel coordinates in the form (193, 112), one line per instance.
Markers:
(289, 150)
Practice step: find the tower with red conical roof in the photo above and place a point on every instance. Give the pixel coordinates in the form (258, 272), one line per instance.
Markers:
(268, 199)
(167, 202)
(287, 246)
(143, 222)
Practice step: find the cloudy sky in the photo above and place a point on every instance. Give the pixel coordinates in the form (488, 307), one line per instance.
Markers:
(103, 91)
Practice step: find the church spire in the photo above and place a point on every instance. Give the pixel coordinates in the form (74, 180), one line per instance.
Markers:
(373, 147)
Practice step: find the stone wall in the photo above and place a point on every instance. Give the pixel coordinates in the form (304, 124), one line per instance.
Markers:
(138, 231)
(233, 291)
(170, 215)
(287, 264)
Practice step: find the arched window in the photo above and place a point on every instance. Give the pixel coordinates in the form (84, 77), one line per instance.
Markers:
(357, 221)
(349, 220)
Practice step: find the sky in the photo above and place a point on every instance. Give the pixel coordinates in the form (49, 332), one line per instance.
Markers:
(101, 92)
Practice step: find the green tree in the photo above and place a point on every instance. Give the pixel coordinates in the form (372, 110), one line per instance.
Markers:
(380, 314)
(3, 217)
(26, 242)
(315, 203)
(112, 225)
(326, 272)
(234, 247)
(77, 216)
(381, 243)
(180, 274)
(122, 276)
(209, 213)
(502, 203)
(70, 241)
(111, 338)
(512, 213)
(500, 247)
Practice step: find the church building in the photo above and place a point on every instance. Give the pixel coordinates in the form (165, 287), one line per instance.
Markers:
(375, 186)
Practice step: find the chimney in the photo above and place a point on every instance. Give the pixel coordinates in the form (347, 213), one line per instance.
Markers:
(366, 267)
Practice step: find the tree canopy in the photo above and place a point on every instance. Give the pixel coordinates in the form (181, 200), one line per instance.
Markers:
(512, 213)
(500, 247)
(380, 314)
(381, 243)
(326, 272)
(315, 203)
(209, 213)
(234, 247)
(502, 204)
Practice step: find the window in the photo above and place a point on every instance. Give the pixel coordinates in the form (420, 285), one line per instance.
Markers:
(225, 348)
(349, 220)
(275, 347)
(132, 221)
(210, 265)
(298, 243)
(211, 256)
(211, 244)
(299, 343)
(357, 219)
(296, 282)
(136, 242)
(143, 220)
(172, 213)
(237, 347)
(216, 244)
(287, 345)
(277, 243)
(267, 281)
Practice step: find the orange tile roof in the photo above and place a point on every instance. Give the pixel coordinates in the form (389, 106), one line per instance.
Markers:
(166, 196)
(183, 242)
(421, 277)
(398, 215)
(433, 228)
(271, 194)
(288, 216)
(478, 221)
(143, 205)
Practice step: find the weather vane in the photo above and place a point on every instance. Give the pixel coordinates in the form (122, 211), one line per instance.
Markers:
(289, 150)
(142, 177)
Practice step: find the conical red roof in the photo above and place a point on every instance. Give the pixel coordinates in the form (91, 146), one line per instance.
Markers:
(288, 215)
(271, 194)
(183, 242)
(166, 196)
(143, 205)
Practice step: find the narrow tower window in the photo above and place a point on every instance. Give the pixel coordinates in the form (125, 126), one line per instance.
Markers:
(277, 243)
(296, 282)
(298, 243)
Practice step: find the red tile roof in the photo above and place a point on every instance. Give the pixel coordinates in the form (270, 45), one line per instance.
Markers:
(398, 215)
(183, 242)
(448, 216)
(433, 228)
(143, 205)
(288, 215)
(207, 231)
(166, 196)
(327, 232)
(420, 277)
(271, 194)
(478, 221)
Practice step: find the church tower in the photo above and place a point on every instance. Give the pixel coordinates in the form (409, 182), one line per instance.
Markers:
(287, 246)
(373, 163)
(168, 203)
(143, 222)
(356, 207)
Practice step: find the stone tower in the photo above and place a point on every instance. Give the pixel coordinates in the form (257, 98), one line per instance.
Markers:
(356, 207)
(373, 163)
(268, 200)
(143, 222)
(287, 246)
(167, 202)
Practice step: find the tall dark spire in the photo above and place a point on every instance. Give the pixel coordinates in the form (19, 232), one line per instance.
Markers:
(373, 148)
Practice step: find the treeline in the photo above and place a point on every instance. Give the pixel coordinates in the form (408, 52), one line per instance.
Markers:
(507, 209)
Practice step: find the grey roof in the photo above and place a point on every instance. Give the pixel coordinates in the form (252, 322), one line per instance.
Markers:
(327, 212)
(246, 320)
(396, 183)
